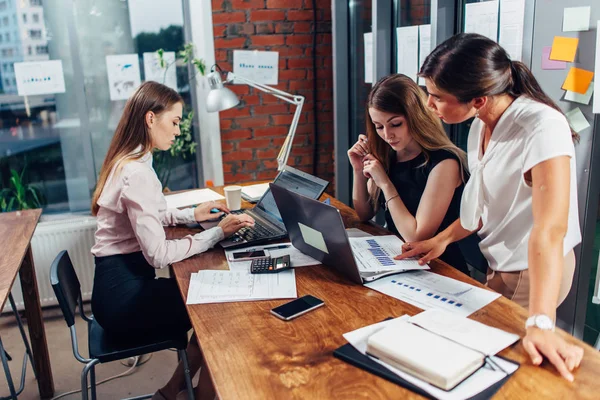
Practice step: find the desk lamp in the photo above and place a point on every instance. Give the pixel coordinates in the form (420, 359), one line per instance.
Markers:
(221, 98)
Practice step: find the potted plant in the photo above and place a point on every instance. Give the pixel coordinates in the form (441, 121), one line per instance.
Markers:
(20, 195)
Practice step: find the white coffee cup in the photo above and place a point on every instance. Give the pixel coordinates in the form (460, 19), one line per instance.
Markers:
(233, 197)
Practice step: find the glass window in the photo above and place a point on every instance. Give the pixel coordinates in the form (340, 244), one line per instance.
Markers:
(35, 34)
(5, 20)
(29, 50)
(2, 5)
(7, 37)
(36, 18)
(35, 2)
(24, 18)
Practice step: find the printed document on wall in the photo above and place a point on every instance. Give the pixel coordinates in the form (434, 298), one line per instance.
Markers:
(596, 108)
(482, 18)
(512, 19)
(166, 73)
(39, 77)
(424, 47)
(408, 51)
(123, 75)
(259, 66)
(368, 57)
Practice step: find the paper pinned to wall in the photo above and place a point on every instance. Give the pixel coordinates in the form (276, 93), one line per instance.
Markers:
(578, 80)
(580, 98)
(39, 77)
(577, 120)
(482, 18)
(259, 66)
(424, 47)
(547, 63)
(408, 51)
(512, 19)
(123, 75)
(564, 48)
(576, 19)
(368, 57)
(154, 72)
(596, 107)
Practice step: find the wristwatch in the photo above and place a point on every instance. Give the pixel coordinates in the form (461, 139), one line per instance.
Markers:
(540, 321)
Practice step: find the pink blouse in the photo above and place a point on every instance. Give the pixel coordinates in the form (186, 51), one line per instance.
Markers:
(133, 212)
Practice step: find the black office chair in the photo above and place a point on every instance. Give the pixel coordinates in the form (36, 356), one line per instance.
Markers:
(101, 350)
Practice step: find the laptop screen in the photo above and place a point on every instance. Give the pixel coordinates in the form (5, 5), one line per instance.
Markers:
(307, 185)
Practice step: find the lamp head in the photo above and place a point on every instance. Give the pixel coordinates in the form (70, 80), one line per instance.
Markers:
(219, 98)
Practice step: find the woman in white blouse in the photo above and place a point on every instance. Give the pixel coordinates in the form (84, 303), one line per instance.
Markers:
(127, 299)
(521, 198)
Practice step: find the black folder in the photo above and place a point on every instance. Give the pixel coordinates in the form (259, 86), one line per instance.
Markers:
(352, 356)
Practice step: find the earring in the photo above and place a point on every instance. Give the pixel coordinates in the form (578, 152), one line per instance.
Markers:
(477, 113)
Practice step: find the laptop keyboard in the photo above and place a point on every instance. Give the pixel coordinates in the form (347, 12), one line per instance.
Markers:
(256, 232)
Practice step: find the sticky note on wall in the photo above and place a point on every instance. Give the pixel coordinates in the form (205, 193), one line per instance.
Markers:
(576, 19)
(577, 120)
(564, 48)
(551, 64)
(578, 80)
(580, 98)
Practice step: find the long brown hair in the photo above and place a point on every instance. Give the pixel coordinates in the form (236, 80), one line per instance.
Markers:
(469, 65)
(398, 94)
(132, 130)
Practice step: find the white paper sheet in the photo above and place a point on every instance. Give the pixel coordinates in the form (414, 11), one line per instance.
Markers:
(224, 283)
(407, 39)
(192, 197)
(254, 192)
(576, 19)
(577, 120)
(154, 72)
(427, 290)
(512, 19)
(123, 75)
(39, 77)
(482, 18)
(377, 253)
(476, 383)
(259, 66)
(281, 285)
(368, 37)
(596, 107)
(580, 98)
(297, 258)
(475, 335)
(424, 47)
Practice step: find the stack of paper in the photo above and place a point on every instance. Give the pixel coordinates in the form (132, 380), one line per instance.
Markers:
(253, 193)
(192, 197)
(376, 254)
(220, 286)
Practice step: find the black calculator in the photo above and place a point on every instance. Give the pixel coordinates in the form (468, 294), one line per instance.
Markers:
(269, 265)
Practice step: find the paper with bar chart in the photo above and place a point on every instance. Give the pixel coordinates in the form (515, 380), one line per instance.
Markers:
(376, 253)
(427, 290)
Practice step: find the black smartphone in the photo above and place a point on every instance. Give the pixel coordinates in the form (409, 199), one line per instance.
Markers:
(248, 255)
(297, 307)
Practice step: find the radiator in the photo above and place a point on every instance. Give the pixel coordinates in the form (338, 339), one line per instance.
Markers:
(76, 235)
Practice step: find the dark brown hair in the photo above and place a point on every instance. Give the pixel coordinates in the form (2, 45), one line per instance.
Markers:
(132, 130)
(469, 65)
(399, 95)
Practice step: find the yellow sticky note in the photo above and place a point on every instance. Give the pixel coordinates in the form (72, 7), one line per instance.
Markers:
(578, 80)
(564, 48)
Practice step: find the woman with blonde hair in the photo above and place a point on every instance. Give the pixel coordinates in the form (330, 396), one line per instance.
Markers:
(407, 165)
(127, 300)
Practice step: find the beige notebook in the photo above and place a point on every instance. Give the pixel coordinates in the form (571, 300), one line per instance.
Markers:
(425, 355)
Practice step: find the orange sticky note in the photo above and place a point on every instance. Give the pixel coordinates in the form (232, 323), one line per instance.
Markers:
(564, 48)
(578, 80)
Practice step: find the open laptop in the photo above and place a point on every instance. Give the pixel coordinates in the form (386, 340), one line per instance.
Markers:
(317, 229)
(268, 223)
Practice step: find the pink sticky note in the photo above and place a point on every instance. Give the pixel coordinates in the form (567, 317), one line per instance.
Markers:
(551, 64)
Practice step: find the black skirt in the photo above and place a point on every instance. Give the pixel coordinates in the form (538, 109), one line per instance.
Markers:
(130, 303)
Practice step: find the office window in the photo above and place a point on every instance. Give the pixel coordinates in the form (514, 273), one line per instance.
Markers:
(5, 67)
(7, 37)
(41, 49)
(5, 21)
(29, 51)
(1, 38)
(2, 5)
(6, 82)
(24, 18)
(15, 19)
(36, 18)
(14, 82)
(35, 34)
(35, 2)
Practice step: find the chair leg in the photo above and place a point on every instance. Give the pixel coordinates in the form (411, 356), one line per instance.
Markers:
(84, 381)
(22, 330)
(93, 382)
(186, 372)
(11, 386)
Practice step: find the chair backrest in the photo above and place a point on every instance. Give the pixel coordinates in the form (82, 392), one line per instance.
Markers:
(66, 285)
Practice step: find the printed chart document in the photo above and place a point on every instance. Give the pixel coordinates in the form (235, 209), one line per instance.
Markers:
(376, 253)
(427, 290)
(482, 18)
(512, 19)
(297, 258)
(192, 197)
(221, 286)
(408, 51)
(476, 383)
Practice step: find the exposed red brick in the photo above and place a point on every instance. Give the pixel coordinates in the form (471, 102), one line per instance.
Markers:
(247, 4)
(270, 109)
(228, 17)
(284, 3)
(291, 40)
(234, 43)
(271, 153)
(271, 131)
(235, 112)
(236, 134)
(267, 40)
(295, 15)
(219, 30)
(254, 143)
(238, 155)
(264, 175)
(252, 122)
(267, 15)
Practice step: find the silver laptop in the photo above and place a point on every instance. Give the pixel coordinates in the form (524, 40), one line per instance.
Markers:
(268, 224)
(317, 229)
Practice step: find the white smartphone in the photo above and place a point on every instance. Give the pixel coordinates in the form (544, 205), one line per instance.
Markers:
(248, 255)
(297, 307)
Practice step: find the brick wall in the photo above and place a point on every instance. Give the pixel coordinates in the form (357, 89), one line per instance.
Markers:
(253, 132)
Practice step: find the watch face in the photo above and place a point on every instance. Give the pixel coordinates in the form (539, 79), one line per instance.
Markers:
(544, 322)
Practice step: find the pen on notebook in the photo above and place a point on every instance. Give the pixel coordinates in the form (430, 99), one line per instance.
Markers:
(282, 246)
(494, 364)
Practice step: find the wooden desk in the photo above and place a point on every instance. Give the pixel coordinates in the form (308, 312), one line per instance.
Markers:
(16, 230)
(253, 355)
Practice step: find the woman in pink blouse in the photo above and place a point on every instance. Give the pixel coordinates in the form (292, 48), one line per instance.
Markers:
(128, 301)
